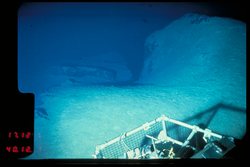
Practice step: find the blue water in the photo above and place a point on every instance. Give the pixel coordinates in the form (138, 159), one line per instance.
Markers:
(59, 41)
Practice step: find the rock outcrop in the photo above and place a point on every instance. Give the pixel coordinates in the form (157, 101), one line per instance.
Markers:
(101, 68)
(197, 50)
(84, 71)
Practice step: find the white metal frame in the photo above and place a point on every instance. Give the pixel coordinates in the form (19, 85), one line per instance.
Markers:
(207, 133)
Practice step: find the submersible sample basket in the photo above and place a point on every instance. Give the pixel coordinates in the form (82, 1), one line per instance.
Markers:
(167, 139)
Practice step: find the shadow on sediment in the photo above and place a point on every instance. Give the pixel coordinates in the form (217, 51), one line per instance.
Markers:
(211, 113)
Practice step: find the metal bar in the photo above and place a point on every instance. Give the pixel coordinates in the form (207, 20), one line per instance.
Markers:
(164, 127)
(151, 137)
(212, 134)
(127, 134)
(190, 126)
(186, 142)
(174, 141)
(139, 128)
(178, 122)
(154, 147)
(163, 118)
(191, 135)
(167, 138)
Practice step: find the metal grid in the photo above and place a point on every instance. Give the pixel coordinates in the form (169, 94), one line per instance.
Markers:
(177, 132)
(112, 151)
(137, 139)
(133, 141)
(180, 133)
